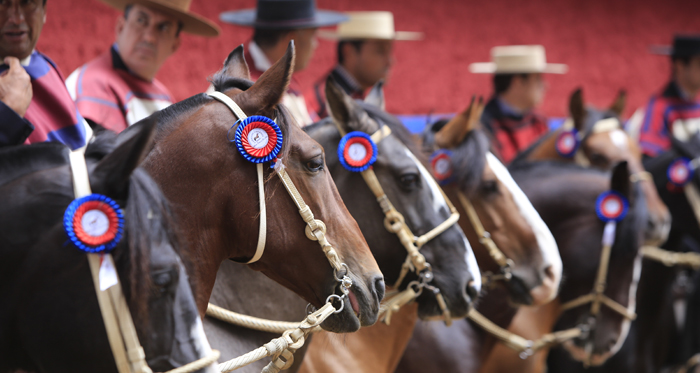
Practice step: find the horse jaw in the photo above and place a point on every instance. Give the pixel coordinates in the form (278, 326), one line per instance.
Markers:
(549, 250)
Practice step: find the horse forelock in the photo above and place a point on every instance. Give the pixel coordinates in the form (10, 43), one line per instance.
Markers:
(148, 221)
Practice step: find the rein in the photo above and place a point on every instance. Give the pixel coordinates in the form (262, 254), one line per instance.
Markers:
(282, 349)
(394, 222)
(128, 354)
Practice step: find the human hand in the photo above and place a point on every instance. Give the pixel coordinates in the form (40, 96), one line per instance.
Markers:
(16, 87)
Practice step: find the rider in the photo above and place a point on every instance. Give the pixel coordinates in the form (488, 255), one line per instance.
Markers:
(119, 88)
(276, 22)
(36, 106)
(676, 109)
(519, 87)
(365, 46)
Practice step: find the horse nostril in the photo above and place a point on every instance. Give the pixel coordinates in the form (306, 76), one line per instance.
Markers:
(379, 288)
(472, 291)
(549, 273)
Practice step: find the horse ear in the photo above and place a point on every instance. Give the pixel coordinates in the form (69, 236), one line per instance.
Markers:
(620, 180)
(111, 175)
(267, 92)
(618, 106)
(339, 105)
(454, 131)
(577, 109)
(235, 65)
(376, 96)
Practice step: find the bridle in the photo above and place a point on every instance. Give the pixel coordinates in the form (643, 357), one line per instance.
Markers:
(504, 263)
(315, 228)
(128, 354)
(394, 222)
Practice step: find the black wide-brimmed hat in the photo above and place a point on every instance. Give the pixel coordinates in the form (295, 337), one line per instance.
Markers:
(283, 15)
(683, 46)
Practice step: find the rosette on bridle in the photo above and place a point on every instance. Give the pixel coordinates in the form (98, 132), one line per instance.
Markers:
(258, 139)
(357, 151)
(611, 206)
(680, 171)
(567, 143)
(441, 166)
(94, 223)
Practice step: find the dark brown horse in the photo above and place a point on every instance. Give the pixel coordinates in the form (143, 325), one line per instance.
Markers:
(657, 338)
(565, 195)
(602, 144)
(523, 237)
(213, 190)
(50, 319)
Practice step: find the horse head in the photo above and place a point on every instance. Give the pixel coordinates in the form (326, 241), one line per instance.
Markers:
(674, 173)
(215, 187)
(599, 293)
(602, 143)
(410, 189)
(529, 260)
(147, 260)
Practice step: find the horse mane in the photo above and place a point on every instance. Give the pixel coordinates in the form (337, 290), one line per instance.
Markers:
(20, 160)
(397, 128)
(468, 158)
(148, 219)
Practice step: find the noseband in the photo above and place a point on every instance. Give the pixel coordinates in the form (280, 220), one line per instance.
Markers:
(395, 223)
(315, 229)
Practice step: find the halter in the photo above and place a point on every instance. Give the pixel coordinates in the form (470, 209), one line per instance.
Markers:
(504, 263)
(315, 229)
(128, 354)
(395, 223)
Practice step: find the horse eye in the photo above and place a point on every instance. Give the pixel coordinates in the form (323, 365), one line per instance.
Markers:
(409, 181)
(489, 187)
(165, 278)
(315, 164)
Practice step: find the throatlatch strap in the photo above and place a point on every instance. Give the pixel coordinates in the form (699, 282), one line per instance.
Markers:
(262, 231)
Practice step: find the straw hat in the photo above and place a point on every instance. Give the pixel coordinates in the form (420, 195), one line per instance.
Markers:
(518, 59)
(370, 25)
(178, 9)
(283, 15)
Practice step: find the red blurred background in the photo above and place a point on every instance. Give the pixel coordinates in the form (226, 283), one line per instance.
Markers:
(604, 42)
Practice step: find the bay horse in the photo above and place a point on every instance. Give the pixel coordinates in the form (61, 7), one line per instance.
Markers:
(414, 192)
(522, 237)
(50, 320)
(213, 191)
(448, 253)
(565, 195)
(660, 338)
(595, 138)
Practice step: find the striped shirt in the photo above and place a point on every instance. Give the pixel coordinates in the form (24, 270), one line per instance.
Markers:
(51, 115)
(667, 114)
(107, 93)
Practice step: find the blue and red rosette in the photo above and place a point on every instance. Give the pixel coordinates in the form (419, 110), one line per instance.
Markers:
(357, 152)
(94, 223)
(611, 206)
(258, 139)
